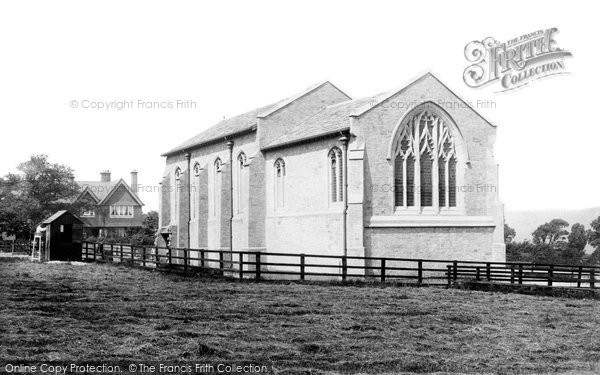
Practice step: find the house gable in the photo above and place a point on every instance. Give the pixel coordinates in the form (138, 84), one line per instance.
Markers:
(121, 194)
(87, 195)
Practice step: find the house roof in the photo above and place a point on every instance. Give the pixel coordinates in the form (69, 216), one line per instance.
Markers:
(102, 191)
(98, 189)
(241, 123)
(122, 183)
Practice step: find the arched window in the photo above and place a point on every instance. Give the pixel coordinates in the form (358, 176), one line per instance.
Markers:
(279, 183)
(424, 163)
(241, 182)
(336, 175)
(216, 196)
(195, 191)
(177, 197)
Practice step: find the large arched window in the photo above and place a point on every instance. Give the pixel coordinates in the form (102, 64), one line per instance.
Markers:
(279, 183)
(195, 191)
(216, 196)
(241, 182)
(336, 175)
(425, 159)
(177, 194)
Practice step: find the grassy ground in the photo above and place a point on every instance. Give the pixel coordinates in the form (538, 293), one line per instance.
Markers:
(66, 312)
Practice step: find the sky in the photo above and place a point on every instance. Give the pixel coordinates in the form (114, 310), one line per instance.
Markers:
(62, 60)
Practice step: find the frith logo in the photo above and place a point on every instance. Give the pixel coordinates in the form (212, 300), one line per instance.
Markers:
(515, 63)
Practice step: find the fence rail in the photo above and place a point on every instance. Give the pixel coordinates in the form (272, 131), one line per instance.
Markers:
(17, 246)
(242, 264)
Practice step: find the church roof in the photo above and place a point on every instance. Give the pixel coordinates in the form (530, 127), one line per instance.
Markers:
(240, 123)
(332, 119)
(226, 127)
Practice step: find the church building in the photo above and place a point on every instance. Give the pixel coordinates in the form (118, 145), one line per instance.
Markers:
(408, 173)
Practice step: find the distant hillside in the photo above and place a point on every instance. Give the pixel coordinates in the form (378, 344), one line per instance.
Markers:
(525, 222)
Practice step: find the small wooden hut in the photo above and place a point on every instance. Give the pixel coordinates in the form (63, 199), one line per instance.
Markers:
(58, 237)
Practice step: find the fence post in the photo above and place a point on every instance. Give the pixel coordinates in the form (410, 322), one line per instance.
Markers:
(420, 272)
(344, 268)
(520, 274)
(579, 276)
(156, 257)
(512, 274)
(550, 275)
(221, 261)
(185, 260)
(169, 254)
(478, 273)
(241, 265)
(257, 277)
(449, 275)
(143, 256)
(592, 279)
(202, 258)
(488, 271)
(302, 266)
(110, 258)
(94, 251)
(131, 249)
(121, 253)
(382, 273)
(455, 267)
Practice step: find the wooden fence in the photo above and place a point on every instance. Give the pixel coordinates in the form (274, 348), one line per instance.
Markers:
(17, 246)
(343, 268)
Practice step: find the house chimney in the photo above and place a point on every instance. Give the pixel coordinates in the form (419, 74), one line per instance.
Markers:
(105, 176)
(134, 181)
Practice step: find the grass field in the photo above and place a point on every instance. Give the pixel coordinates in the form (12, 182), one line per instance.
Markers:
(64, 312)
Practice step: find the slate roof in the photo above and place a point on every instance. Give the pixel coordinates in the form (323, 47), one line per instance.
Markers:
(98, 188)
(102, 190)
(230, 126)
(241, 123)
(332, 119)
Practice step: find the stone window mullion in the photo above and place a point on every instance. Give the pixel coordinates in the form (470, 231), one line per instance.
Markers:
(404, 177)
(434, 170)
(447, 184)
(417, 176)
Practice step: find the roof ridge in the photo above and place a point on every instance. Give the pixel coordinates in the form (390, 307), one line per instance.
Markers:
(285, 102)
(303, 121)
(260, 112)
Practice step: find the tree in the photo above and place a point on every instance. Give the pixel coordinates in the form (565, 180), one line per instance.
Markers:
(578, 237)
(144, 235)
(40, 190)
(594, 240)
(549, 233)
(509, 233)
(594, 233)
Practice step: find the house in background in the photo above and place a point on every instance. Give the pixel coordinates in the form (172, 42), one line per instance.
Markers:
(116, 205)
